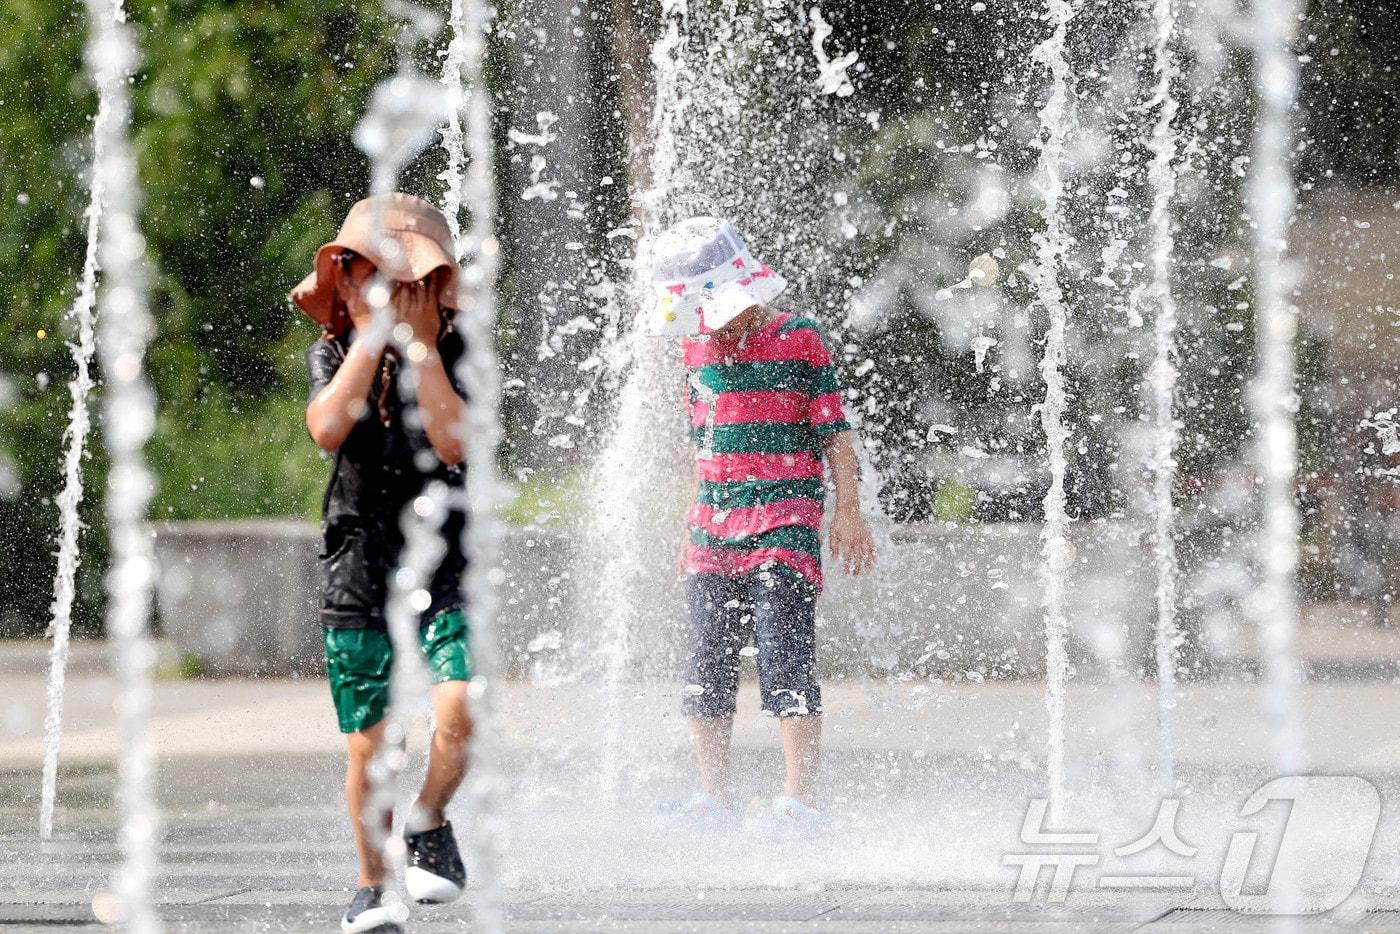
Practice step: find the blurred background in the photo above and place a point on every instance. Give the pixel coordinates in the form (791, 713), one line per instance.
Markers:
(879, 204)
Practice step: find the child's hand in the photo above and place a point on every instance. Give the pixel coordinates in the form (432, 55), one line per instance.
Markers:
(851, 542)
(416, 304)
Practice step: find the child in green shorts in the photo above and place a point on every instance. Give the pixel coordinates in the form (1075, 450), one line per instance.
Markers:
(385, 453)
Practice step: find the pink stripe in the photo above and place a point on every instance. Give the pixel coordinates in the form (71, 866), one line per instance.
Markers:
(733, 563)
(734, 468)
(767, 346)
(803, 345)
(735, 408)
(827, 408)
(751, 520)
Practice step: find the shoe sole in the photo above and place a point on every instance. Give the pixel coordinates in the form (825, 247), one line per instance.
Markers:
(428, 888)
(379, 920)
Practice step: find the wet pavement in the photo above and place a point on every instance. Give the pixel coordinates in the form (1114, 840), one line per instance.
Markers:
(935, 782)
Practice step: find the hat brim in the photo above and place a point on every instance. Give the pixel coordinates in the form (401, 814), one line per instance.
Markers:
(692, 312)
(414, 257)
(733, 299)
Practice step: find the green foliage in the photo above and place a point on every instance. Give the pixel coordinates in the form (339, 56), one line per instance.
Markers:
(226, 94)
(954, 502)
(545, 500)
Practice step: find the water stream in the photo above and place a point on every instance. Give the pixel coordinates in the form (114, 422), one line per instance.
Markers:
(128, 417)
(69, 527)
(470, 179)
(1273, 395)
(1162, 377)
(403, 114)
(1056, 122)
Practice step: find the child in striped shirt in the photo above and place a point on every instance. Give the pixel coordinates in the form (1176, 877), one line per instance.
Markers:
(766, 414)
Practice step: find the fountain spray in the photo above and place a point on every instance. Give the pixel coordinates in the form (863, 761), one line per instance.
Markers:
(1273, 397)
(71, 497)
(1056, 119)
(470, 178)
(403, 113)
(616, 512)
(129, 415)
(1162, 377)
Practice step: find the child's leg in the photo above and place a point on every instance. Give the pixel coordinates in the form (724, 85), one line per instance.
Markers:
(802, 755)
(362, 747)
(448, 654)
(785, 621)
(447, 757)
(709, 737)
(720, 621)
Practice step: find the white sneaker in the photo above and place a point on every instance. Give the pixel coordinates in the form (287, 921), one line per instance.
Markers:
(782, 814)
(699, 810)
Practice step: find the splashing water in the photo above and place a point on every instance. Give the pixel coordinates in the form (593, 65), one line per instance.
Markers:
(403, 113)
(716, 75)
(1051, 245)
(833, 78)
(72, 496)
(624, 490)
(1163, 377)
(479, 371)
(1273, 397)
(129, 415)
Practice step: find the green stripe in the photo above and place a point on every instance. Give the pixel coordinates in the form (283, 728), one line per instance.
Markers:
(756, 438)
(825, 382)
(792, 537)
(799, 323)
(831, 428)
(746, 493)
(766, 376)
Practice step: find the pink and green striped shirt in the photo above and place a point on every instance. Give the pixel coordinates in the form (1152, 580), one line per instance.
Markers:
(758, 413)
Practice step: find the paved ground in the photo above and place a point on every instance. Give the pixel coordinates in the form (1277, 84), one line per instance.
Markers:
(929, 784)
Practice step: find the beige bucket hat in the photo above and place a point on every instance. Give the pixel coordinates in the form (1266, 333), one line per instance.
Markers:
(415, 241)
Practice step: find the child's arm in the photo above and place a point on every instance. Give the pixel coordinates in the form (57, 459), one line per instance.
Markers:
(439, 406)
(441, 409)
(682, 564)
(851, 542)
(335, 410)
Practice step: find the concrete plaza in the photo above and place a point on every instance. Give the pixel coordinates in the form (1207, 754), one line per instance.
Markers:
(254, 836)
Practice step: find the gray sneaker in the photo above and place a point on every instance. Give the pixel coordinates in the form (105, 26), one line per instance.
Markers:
(367, 914)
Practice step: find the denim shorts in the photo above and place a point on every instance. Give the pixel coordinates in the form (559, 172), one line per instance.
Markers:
(774, 608)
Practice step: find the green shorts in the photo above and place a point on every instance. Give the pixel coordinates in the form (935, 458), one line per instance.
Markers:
(358, 663)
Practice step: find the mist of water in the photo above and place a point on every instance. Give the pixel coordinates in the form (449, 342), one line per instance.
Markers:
(1273, 396)
(470, 179)
(129, 414)
(69, 526)
(1056, 122)
(640, 453)
(1162, 376)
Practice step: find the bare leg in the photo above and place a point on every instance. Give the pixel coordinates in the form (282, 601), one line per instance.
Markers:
(802, 755)
(709, 737)
(361, 747)
(447, 756)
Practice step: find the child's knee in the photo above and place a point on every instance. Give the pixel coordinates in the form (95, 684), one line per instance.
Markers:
(362, 745)
(456, 728)
(360, 748)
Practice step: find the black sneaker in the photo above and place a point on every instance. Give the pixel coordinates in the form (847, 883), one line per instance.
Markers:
(367, 914)
(435, 872)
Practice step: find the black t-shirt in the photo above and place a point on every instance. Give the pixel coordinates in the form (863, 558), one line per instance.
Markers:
(380, 468)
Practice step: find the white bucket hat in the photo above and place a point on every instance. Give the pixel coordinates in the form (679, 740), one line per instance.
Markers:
(705, 277)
